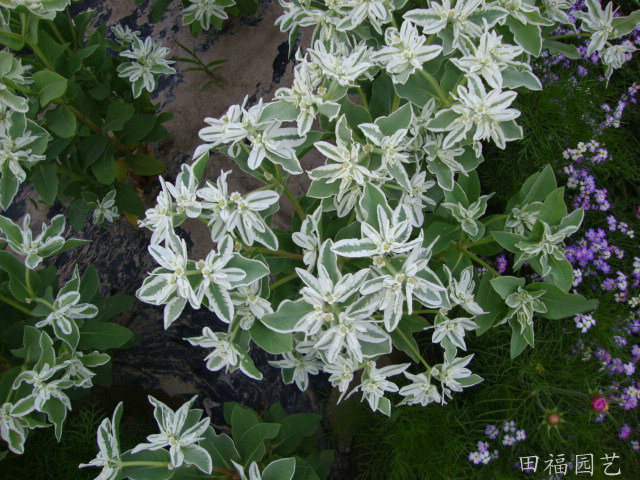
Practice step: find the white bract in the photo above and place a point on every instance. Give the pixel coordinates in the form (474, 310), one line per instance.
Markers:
(148, 59)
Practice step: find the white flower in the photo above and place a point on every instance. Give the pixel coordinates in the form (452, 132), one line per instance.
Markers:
(615, 55)
(66, 309)
(405, 52)
(461, 292)
(341, 373)
(15, 156)
(13, 428)
(217, 279)
(249, 304)
(476, 109)
(390, 291)
(224, 355)
(244, 216)
(489, 58)
(468, 216)
(42, 8)
(374, 385)
(124, 34)
(354, 324)
(343, 66)
(108, 456)
(354, 12)
(598, 22)
(453, 329)
(48, 243)
(307, 238)
(420, 391)
(159, 219)
(523, 304)
(12, 70)
(392, 236)
(106, 209)
(451, 372)
(344, 162)
(201, 11)
(148, 59)
(302, 365)
(179, 432)
(394, 152)
(415, 200)
(184, 193)
(44, 388)
(304, 95)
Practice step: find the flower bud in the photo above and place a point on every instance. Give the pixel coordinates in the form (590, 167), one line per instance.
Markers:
(599, 404)
(553, 419)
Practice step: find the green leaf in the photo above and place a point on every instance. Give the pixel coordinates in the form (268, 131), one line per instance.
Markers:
(490, 302)
(61, 121)
(321, 463)
(144, 164)
(158, 8)
(355, 114)
(104, 167)
(559, 48)
(98, 335)
(527, 36)
(624, 25)
(49, 85)
(269, 340)
(128, 200)
(45, 180)
(399, 119)
(505, 286)
(293, 429)
(281, 469)
(56, 413)
(518, 342)
(559, 304)
(118, 114)
(404, 331)
(288, 314)
(17, 276)
(146, 472)
(137, 128)
(221, 448)
(254, 269)
(111, 306)
(89, 284)
(381, 96)
(553, 208)
(251, 444)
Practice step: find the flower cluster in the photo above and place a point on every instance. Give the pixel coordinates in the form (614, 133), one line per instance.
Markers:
(508, 436)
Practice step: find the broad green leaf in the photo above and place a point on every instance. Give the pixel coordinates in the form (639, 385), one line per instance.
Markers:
(49, 85)
(288, 314)
(95, 334)
(61, 122)
(270, 340)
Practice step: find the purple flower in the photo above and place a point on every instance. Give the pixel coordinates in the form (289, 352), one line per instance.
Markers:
(625, 432)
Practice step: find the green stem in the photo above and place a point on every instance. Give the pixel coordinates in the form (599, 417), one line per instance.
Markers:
(413, 349)
(16, 305)
(20, 88)
(436, 85)
(27, 277)
(363, 97)
(58, 35)
(143, 463)
(567, 35)
(41, 56)
(396, 102)
(282, 281)
(45, 303)
(481, 242)
(73, 175)
(72, 27)
(294, 201)
(11, 34)
(97, 129)
(280, 253)
(479, 261)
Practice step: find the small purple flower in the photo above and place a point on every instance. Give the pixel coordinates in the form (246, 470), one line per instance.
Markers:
(625, 432)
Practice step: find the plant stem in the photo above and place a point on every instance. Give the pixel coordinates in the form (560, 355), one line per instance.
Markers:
(481, 242)
(281, 253)
(479, 261)
(282, 281)
(41, 56)
(20, 88)
(97, 129)
(58, 35)
(396, 102)
(363, 97)
(143, 463)
(414, 349)
(436, 85)
(27, 277)
(567, 35)
(16, 305)
(72, 28)
(45, 303)
(294, 201)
